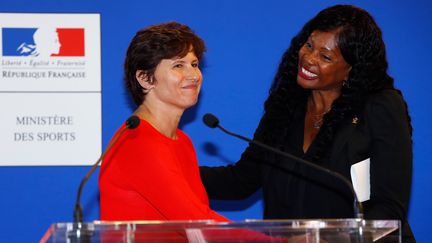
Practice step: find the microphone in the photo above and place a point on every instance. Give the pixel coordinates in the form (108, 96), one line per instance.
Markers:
(131, 123)
(79, 232)
(212, 121)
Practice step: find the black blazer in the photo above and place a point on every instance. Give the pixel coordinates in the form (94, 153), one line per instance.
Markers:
(381, 134)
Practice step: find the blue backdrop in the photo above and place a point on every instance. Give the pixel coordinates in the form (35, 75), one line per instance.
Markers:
(245, 42)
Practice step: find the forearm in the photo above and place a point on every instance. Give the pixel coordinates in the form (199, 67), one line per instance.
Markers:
(224, 183)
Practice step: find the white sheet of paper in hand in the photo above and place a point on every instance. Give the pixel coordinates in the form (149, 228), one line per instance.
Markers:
(360, 177)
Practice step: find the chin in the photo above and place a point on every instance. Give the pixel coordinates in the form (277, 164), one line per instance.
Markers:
(305, 84)
(194, 102)
(190, 103)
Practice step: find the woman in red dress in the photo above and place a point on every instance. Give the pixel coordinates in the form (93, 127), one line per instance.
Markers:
(152, 173)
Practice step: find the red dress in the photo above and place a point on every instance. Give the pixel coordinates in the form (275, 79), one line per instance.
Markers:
(148, 176)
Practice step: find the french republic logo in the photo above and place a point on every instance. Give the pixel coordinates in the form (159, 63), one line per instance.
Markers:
(43, 42)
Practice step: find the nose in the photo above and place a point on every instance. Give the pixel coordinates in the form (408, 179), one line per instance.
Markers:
(193, 74)
(311, 57)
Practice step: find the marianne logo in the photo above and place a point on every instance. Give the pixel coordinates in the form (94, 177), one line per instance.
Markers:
(43, 42)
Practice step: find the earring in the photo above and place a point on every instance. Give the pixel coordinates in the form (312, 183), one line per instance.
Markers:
(345, 84)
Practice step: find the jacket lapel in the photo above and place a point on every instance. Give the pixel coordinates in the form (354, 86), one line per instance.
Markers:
(342, 137)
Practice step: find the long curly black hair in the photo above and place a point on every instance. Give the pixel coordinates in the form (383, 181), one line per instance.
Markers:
(360, 41)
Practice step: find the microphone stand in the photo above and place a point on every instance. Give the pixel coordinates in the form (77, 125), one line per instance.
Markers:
(212, 121)
(80, 232)
(358, 207)
(78, 213)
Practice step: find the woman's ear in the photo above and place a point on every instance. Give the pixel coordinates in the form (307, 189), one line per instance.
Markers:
(347, 75)
(144, 80)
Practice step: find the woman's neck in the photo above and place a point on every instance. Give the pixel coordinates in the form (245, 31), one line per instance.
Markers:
(163, 119)
(320, 102)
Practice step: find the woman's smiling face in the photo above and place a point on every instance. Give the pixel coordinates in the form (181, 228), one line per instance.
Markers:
(177, 81)
(321, 64)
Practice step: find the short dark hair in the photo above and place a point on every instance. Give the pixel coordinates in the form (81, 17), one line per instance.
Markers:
(152, 44)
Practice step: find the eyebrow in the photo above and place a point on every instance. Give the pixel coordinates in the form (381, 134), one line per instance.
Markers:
(328, 48)
(325, 47)
(183, 61)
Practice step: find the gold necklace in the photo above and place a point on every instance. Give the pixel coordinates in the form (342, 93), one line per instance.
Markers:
(317, 123)
(317, 119)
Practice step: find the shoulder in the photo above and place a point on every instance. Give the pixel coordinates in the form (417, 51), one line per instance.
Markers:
(390, 98)
(386, 102)
(183, 137)
(140, 139)
(143, 131)
(387, 110)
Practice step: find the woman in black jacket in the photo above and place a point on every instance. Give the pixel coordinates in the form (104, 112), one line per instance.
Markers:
(331, 103)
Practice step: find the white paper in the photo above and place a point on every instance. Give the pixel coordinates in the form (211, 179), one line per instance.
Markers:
(360, 177)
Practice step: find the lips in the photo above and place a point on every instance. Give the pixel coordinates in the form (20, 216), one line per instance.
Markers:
(306, 74)
(190, 86)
